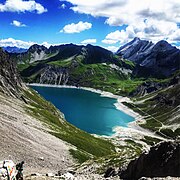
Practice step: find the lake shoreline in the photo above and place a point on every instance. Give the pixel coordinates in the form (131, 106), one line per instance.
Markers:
(119, 105)
(132, 131)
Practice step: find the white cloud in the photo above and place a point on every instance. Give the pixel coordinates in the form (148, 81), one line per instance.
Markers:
(89, 41)
(112, 48)
(126, 11)
(19, 43)
(18, 24)
(13, 42)
(76, 28)
(22, 6)
(110, 41)
(152, 30)
(149, 19)
(112, 37)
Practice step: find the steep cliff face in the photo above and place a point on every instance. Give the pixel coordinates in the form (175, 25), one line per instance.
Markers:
(152, 60)
(161, 161)
(10, 82)
(54, 75)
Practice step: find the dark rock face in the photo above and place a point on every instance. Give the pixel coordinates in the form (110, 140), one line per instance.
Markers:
(96, 54)
(150, 86)
(10, 82)
(161, 161)
(64, 51)
(153, 60)
(146, 88)
(110, 172)
(169, 99)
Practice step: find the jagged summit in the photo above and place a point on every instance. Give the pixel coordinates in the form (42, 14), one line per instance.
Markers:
(37, 47)
(163, 45)
(135, 49)
(156, 60)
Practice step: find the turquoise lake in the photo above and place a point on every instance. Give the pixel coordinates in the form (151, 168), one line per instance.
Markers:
(86, 110)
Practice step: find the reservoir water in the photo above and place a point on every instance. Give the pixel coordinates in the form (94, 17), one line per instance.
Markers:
(86, 110)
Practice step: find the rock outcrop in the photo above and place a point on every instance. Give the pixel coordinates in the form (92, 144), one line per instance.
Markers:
(54, 75)
(10, 82)
(161, 161)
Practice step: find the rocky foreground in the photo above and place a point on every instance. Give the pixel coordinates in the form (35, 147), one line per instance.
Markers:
(162, 160)
(24, 138)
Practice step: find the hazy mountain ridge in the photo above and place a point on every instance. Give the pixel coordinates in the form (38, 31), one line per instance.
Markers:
(14, 49)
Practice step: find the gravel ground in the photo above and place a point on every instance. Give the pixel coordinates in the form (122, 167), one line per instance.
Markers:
(23, 138)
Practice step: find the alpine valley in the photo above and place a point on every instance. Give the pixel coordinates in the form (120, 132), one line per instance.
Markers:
(144, 75)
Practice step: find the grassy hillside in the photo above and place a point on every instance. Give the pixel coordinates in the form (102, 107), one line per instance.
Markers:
(104, 76)
(161, 111)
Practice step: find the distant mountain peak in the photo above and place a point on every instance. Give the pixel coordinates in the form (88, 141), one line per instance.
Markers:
(14, 49)
(128, 50)
(37, 47)
(163, 44)
(160, 59)
(136, 39)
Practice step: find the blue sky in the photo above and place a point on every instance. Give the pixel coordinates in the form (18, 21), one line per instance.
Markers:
(106, 23)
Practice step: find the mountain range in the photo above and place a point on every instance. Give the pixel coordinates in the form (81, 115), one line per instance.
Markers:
(158, 60)
(96, 67)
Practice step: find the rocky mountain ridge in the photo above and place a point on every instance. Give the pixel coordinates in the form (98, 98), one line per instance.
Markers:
(74, 65)
(152, 60)
(91, 54)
